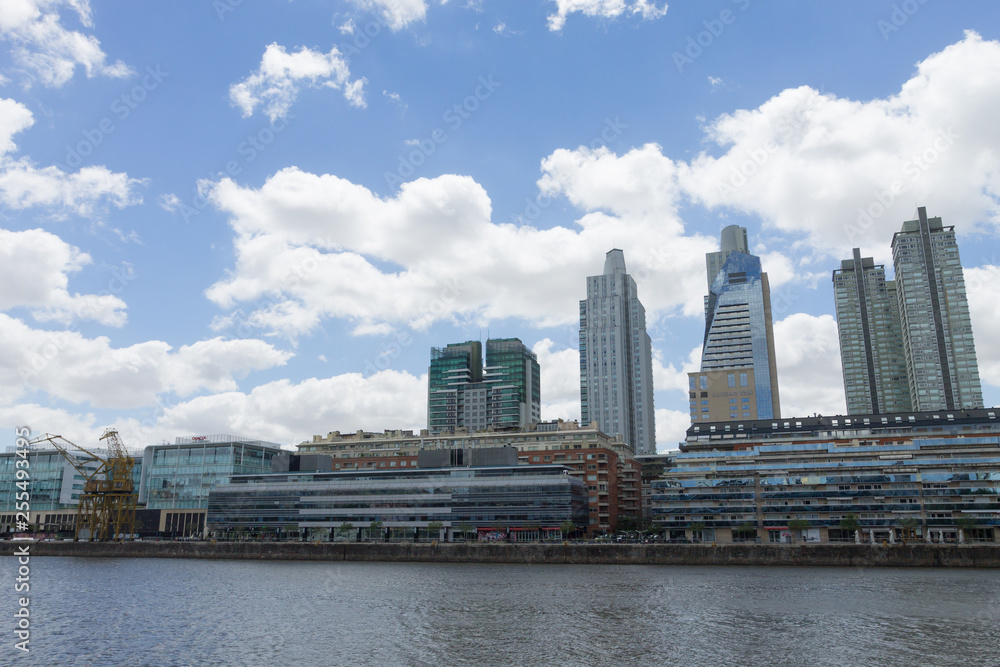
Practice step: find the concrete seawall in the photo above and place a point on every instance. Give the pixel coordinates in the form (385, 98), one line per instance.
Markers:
(842, 555)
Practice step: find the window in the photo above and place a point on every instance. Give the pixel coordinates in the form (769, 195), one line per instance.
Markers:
(732, 379)
(703, 382)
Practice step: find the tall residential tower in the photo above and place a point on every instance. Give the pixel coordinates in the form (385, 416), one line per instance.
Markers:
(738, 377)
(941, 365)
(616, 366)
(871, 339)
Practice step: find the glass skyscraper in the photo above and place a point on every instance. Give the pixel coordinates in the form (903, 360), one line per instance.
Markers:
(738, 378)
(463, 393)
(616, 367)
(871, 339)
(941, 366)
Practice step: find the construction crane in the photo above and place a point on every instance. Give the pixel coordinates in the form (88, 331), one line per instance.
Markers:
(106, 510)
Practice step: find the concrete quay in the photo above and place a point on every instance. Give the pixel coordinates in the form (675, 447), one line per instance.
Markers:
(837, 555)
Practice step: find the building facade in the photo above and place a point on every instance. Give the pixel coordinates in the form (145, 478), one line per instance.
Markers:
(871, 338)
(840, 479)
(463, 393)
(616, 368)
(738, 368)
(489, 499)
(941, 365)
(605, 465)
(180, 476)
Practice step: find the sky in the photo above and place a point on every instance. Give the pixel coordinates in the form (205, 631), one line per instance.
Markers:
(256, 218)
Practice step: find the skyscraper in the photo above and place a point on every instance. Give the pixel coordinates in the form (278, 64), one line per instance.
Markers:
(738, 377)
(616, 365)
(462, 393)
(871, 339)
(941, 365)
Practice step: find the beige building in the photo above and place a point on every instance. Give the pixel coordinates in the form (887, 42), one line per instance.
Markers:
(722, 395)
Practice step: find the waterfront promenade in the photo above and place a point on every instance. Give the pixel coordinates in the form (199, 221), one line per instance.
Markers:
(840, 555)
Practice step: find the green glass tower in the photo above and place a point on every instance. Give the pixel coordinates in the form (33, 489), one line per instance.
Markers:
(462, 393)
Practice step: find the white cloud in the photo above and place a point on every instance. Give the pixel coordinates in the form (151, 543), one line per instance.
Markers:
(810, 379)
(397, 14)
(610, 9)
(671, 427)
(839, 173)
(982, 284)
(304, 241)
(276, 83)
(347, 27)
(67, 366)
(560, 380)
(23, 185)
(43, 46)
(34, 273)
(288, 413)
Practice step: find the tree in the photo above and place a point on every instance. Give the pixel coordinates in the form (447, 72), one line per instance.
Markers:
(464, 529)
(909, 527)
(346, 529)
(627, 524)
(746, 531)
(374, 529)
(797, 526)
(434, 529)
(966, 524)
(567, 528)
(697, 531)
(850, 523)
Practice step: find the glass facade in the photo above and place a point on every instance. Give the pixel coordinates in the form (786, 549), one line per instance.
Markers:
(941, 364)
(511, 496)
(462, 393)
(871, 339)
(926, 487)
(180, 476)
(738, 333)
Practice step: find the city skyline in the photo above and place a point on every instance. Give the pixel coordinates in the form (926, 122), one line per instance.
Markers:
(260, 217)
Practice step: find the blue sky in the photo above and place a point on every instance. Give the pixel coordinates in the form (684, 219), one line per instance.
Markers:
(257, 217)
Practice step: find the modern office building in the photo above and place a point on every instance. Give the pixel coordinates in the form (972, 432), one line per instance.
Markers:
(738, 377)
(463, 393)
(469, 491)
(181, 475)
(941, 365)
(605, 465)
(871, 338)
(616, 367)
(872, 478)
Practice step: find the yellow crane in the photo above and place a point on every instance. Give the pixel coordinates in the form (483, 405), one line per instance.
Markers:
(106, 510)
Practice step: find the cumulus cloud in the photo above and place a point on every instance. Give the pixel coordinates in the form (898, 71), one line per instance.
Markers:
(83, 193)
(276, 84)
(46, 48)
(560, 380)
(609, 9)
(671, 427)
(982, 284)
(319, 246)
(34, 273)
(397, 14)
(810, 379)
(839, 173)
(288, 412)
(68, 366)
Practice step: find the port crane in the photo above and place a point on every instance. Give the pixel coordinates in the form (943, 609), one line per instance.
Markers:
(106, 511)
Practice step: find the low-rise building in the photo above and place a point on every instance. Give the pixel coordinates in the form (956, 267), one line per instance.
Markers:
(934, 477)
(606, 465)
(465, 491)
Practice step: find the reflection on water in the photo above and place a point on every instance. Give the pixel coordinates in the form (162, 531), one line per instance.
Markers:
(195, 612)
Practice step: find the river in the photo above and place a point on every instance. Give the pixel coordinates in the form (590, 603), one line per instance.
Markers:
(210, 612)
